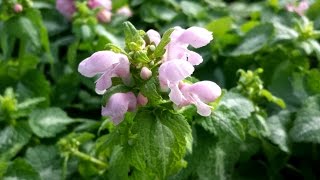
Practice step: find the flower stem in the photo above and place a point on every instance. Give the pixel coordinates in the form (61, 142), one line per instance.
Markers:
(88, 158)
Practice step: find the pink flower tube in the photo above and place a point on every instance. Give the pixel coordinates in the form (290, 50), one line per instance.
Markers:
(200, 94)
(107, 64)
(170, 75)
(118, 104)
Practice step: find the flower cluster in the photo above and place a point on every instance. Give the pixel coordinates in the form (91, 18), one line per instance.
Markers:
(300, 8)
(171, 69)
(68, 8)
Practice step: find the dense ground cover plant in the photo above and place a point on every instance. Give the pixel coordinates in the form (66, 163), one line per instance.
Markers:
(89, 96)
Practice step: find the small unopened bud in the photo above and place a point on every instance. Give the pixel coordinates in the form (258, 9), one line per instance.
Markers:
(145, 73)
(152, 47)
(18, 8)
(142, 100)
(104, 16)
(125, 11)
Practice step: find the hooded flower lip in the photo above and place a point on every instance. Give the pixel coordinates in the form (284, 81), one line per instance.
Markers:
(195, 36)
(66, 7)
(107, 64)
(118, 105)
(170, 75)
(200, 94)
(182, 38)
(106, 4)
(300, 9)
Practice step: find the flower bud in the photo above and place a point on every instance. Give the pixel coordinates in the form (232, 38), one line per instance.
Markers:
(152, 47)
(142, 100)
(18, 8)
(104, 16)
(154, 36)
(145, 73)
(125, 11)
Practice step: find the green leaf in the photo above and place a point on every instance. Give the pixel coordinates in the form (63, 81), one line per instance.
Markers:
(46, 160)
(283, 32)
(254, 40)
(35, 16)
(160, 49)
(279, 126)
(163, 12)
(103, 33)
(132, 35)
(33, 84)
(306, 127)
(220, 26)
(160, 143)
(191, 8)
(48, 122)
(150, 90)
(13, 139)
(257, 126)
(20, 169)
(3, 168)
(65, 90)
(119, 165)
(226, 118)
(312, 81)
(140, 57)
(212, 158)
(23, 28)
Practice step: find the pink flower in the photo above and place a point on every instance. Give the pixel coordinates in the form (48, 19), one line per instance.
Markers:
(107, 64)
(18, 8)
(200, 94)
(104, 16)
(66, 7)
(182, 38)
(118, 104)
(145, 73)
(170, 75)
(142, 100)
(125, 11)
(105, 4)
(154, 36)
(300, 9)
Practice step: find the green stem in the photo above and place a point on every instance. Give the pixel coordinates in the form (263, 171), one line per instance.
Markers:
(65, 167)
(88, 158)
